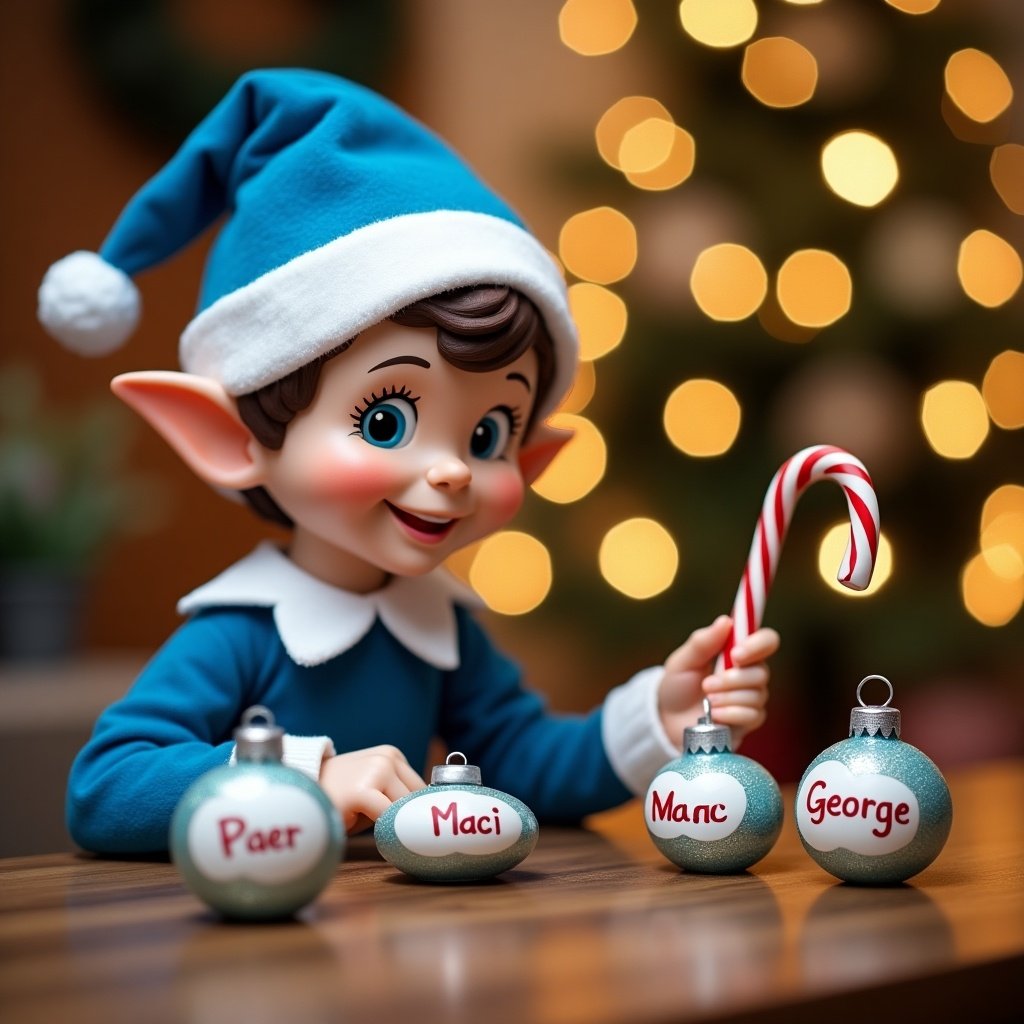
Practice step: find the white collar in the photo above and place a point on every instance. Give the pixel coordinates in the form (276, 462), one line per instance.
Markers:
(317, 622)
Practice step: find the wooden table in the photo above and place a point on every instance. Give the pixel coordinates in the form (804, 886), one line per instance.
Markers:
(595, 926)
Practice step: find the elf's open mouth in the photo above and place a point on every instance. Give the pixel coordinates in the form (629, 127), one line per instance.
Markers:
(430, 529)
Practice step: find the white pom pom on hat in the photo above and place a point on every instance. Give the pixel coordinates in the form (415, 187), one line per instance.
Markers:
(88, 305)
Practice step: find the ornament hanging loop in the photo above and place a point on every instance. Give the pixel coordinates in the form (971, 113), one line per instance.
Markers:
(867, 679)
(456, 772)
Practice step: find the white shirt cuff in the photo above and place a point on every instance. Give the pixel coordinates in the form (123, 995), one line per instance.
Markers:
(634, 739)
(304, 753)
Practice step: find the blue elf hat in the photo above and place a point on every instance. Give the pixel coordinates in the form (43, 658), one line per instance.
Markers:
(341, 210)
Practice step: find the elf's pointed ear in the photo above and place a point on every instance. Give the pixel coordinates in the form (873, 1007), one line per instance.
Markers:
(198, 419)
(540, 449)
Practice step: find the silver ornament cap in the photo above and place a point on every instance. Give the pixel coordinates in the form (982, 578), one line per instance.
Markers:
(706, 736)
(449, 774)
(259, 741)
(875, 719)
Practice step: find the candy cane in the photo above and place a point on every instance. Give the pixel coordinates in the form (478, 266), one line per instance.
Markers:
(819, 462)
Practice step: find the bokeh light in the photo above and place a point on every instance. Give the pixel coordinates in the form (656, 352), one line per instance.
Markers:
(1006, 169)
(1007, 499)
(511, 572)
(814, 288)
(719, 23)
(702, 418)
(676, 167)
(990, 598)
(595, 27)
(830, 557)
(977, 85)
(639, 558)
(859, 167)
(598, 245)
(914, 6)
(779, 72)
(954, 419)
(583, 387)
(619, 118)
(1002, 544)
(728, 282)
(989, 268)
(600, 316)
(646, 145)
(1001, 533)
(1003, 389)
(579, 467)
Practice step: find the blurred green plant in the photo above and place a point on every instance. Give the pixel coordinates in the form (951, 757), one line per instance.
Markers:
(65, 492)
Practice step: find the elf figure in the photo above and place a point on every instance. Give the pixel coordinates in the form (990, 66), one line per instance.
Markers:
(377, 344)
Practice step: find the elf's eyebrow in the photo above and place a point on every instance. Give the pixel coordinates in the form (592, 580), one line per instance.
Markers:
(522, 380)
(399, 361)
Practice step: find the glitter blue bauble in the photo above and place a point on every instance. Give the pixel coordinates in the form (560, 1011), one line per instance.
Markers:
(256, 840)
(710, 810)
(456, 830)
(872, 809)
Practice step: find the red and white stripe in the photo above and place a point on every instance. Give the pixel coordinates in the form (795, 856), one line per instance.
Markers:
(819, 462)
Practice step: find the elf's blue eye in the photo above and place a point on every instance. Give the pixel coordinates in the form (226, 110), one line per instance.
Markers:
(491, 435)
(389, 423)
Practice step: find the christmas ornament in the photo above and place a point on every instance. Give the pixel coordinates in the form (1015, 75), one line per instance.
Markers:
(256, 839)
(710, 810)
(456, 830)
(872, 809)
(819, 462)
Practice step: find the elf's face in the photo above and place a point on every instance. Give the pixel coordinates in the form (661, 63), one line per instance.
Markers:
(401, 459)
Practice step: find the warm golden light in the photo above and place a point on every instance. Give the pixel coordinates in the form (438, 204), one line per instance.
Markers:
(511, 572)
(595, 27)
(600, 316)
(582, 391)
(579, 466)
(639, 558)
(814, 288)
(702, 418)
(830, 555)
(1002, 545)
(989, 268)
(779, 72)
(914, 6)
(977, 85)
(598, 245)
(1006, 169)
(1007, 499)
(859, 167)
(954, 419)
(728, 282)
(990, 598)
(619, 118)
(1003, 389)
(674, 169)
(719, 23)
(646, 145)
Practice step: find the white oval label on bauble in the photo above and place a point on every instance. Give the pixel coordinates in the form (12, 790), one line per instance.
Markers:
(867, 814)
(707, 808)
(272, 840)
(457, 821)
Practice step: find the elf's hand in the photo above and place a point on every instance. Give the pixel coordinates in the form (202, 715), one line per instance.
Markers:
(362, 784)
(738, 695)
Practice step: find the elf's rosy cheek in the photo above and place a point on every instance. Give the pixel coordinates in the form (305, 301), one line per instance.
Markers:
(352, 477)
(505, 494)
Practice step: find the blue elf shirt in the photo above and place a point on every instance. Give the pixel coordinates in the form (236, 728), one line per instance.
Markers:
(343, 672)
